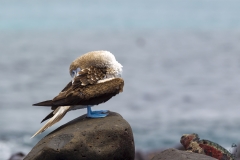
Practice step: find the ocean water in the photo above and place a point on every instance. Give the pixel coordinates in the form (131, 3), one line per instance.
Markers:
(181, 66)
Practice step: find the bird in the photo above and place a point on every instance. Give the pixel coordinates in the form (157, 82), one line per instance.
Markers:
(96, 78)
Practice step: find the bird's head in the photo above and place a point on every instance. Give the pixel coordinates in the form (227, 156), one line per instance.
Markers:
(98, 59)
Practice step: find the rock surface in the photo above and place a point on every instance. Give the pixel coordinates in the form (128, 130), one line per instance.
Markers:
(236, 151)
(174, 154)
(85, 138)
(17, 156)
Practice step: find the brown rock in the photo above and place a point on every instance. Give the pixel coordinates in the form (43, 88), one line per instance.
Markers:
(86, 138)
(174, 154)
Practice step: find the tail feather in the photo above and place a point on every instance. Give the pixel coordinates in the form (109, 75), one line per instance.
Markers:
(58, 115)
(44, 103)
(50, 115)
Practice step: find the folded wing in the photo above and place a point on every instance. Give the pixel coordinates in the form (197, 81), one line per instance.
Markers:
(85, 89)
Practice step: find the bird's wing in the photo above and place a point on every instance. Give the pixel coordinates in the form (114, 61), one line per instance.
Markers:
(85, 89)
(89, 94)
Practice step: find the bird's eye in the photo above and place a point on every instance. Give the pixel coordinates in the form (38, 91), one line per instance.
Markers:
(73, 73)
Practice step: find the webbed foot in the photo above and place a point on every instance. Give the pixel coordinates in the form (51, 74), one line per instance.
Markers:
(96, 114)
(100, 111)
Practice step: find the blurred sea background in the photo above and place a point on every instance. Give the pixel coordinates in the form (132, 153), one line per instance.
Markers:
(181, 66)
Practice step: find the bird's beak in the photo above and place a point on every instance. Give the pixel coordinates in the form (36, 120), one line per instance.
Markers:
(74, 73)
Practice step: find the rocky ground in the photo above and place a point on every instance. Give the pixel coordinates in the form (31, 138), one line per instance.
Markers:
(104, 138)
(87, 138)
(139, 155)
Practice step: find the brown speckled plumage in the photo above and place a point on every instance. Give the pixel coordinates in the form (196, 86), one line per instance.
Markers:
(96, 79)
(91, 75)
(78, 94)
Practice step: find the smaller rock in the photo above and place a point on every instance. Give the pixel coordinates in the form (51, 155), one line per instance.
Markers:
(174, 154)
(236, 151)
(139, 156)
(17, 156)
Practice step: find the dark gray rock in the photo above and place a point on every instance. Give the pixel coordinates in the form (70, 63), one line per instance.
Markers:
(86, 138)
(140, 155)
(236, 151)
(174, 154)
(17, 156)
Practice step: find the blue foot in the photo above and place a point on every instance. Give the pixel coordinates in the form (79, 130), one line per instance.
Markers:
(100, 111)
(96, 114)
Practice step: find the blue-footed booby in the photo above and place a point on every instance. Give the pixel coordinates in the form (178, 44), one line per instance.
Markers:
(95, 79)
